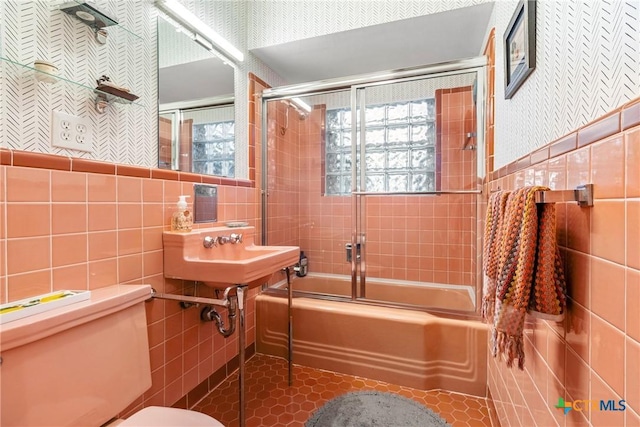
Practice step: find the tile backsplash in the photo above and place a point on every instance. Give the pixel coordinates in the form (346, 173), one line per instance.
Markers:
(87, 227)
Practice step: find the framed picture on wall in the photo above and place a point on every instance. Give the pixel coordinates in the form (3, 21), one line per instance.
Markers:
(519, 47)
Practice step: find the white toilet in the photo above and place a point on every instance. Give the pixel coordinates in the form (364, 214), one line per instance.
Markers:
(82, 364)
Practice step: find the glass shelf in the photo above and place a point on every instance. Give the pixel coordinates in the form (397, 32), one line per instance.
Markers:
(18, 70)
(99, 16)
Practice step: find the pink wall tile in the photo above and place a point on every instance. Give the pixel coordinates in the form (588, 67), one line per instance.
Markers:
(608, 291)
(632, 141)
(608, 230)
(633, 233)
(632, 374)
(102, 216)
(101, 188)
(28, 284)
(129, 189)
(578, 330)
(607, 353)
(129, 241)
(28, 220)
(102, 245)
(68, 218)
(129, 215)
(607, 162)
(70, 277)
(29, 254)
(68, 249)
(28, 185)
(103, 273)
(601, 258)
(633, 302)
(68, 187)
(578, 167)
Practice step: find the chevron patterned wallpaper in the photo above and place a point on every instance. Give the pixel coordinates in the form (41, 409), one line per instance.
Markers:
(587, 63)
(39, 30)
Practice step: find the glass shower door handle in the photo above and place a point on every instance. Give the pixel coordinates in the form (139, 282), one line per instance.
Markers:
(349, 250)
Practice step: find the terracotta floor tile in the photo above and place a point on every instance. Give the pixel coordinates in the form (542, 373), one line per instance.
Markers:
(272, 402)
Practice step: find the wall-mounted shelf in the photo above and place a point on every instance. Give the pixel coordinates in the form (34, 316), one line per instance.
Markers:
(16, 70)
(84, 12)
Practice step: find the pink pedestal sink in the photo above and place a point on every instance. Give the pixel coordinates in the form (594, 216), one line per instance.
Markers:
(186, 257)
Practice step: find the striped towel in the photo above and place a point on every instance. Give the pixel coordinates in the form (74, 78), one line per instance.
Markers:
(491, 246)
(529, 276)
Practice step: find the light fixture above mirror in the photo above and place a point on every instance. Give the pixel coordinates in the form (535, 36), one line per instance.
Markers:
(202, 33)
(196, 103)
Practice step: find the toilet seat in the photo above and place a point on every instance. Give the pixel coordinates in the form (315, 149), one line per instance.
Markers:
(155, 416)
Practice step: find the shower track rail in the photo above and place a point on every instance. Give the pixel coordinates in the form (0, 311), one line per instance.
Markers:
(414, 193)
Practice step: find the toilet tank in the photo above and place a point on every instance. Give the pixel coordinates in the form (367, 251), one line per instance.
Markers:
(77, 365)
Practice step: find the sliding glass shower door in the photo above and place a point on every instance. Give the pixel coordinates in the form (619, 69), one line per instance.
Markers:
(415, 199)
(379, 185)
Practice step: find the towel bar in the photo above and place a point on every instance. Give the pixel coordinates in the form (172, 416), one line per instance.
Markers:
(583, 194)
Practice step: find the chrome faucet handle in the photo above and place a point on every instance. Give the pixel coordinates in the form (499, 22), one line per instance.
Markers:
(235, 238)
(209, 242)
(223, 240)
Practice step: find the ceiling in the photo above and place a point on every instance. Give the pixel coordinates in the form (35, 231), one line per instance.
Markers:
(423, 40)
(206, 78)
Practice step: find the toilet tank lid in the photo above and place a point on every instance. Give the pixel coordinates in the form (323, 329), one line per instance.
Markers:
(103, 301)
(169, 417)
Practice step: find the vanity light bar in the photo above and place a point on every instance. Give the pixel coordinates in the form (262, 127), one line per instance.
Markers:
(300, 103)
(188, 19)
(202, 41)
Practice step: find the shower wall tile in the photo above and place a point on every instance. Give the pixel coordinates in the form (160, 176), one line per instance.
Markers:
(600, 335)
(418, 238)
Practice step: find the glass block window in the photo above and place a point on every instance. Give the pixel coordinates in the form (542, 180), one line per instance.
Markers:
(400, 148)
(214, 148)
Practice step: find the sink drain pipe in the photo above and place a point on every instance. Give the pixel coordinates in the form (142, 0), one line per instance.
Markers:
(230, 302)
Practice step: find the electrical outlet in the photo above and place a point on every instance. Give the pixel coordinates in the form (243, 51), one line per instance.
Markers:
(71, 132)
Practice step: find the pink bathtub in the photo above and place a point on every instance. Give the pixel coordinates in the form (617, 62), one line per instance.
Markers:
(404, 347)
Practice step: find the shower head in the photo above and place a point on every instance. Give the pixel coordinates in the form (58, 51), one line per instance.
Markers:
(302, 112)
(88, 14)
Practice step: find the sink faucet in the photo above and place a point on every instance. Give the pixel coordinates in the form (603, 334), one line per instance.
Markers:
(233, 239)
(210, 242)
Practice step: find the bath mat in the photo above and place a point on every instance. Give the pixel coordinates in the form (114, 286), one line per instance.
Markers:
(372, 409)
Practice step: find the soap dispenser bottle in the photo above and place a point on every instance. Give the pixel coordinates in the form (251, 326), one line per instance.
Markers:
(182, 220)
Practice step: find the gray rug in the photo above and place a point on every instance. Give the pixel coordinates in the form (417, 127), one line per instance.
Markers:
(372, 409)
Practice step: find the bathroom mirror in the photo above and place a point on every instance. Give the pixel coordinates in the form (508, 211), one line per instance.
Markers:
(196, 117)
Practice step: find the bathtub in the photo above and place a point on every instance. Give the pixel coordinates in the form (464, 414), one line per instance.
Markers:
(409, 348)
(449, 297)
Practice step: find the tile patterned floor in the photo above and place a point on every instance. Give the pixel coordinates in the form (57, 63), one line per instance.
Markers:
(271, 402)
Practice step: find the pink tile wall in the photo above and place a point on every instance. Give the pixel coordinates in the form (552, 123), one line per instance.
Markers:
(284, 186)
(77, 230)
(595, 352)
(421, 238)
